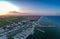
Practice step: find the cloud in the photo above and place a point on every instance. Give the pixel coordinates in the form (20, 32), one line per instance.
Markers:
(44, 13)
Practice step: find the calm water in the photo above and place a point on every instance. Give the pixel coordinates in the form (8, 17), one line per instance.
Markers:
(50, 33)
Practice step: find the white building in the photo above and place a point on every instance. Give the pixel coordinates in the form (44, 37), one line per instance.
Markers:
(3, 37)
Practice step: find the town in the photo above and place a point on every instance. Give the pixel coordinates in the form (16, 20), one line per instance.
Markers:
(22, 29)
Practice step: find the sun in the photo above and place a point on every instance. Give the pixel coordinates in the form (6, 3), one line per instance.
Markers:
(6, 7)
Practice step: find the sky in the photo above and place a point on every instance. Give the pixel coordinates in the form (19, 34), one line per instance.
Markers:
(37, 7)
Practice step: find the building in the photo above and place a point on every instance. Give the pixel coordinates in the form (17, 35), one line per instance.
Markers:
(3, 37)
